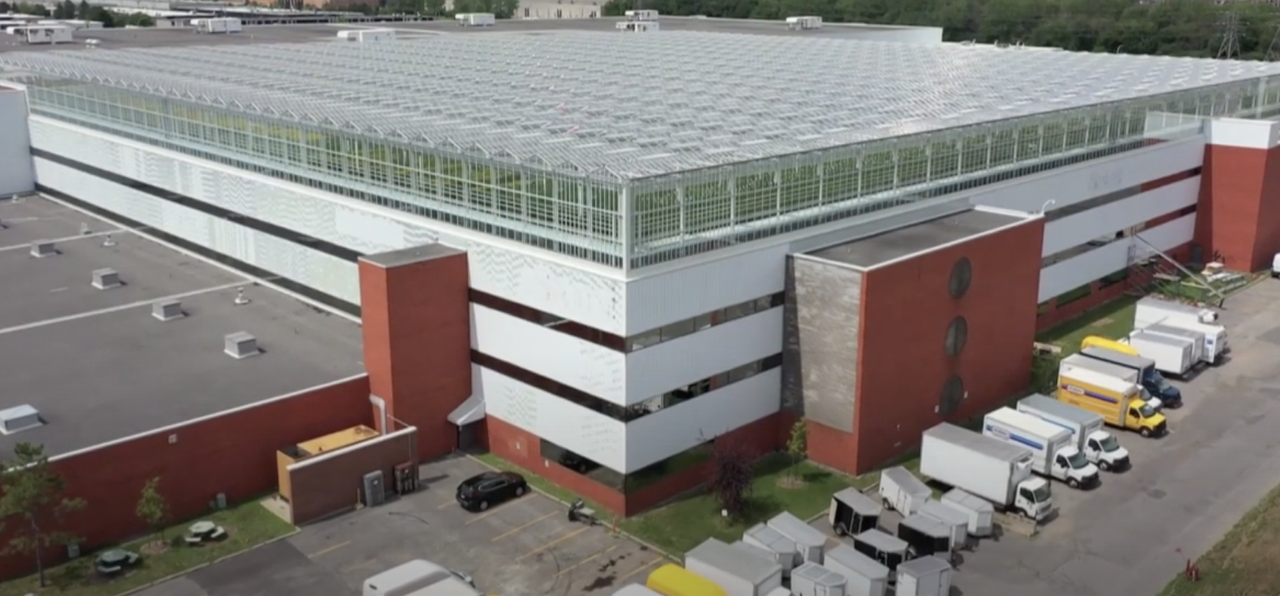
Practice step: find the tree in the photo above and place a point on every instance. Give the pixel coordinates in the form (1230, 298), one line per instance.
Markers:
(153, 508)
(797, 445)
(731, 476)
(4, 7)
(434, 8)
(34, 503)
(84, 11)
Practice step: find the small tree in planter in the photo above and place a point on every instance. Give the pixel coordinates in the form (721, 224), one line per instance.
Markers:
(731, 475)
(154, 509)
(797, 448)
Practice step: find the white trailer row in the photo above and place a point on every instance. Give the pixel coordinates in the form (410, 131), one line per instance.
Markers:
(475, 19)
(1192, 334)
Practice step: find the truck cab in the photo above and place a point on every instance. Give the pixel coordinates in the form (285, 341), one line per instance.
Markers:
(1102, 448)
(1070, 465)
(1033, 498)
(1148, 421)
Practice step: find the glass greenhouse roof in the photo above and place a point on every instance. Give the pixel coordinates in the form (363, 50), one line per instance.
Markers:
(635, 105)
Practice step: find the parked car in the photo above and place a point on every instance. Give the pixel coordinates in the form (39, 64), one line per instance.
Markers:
(479, 492)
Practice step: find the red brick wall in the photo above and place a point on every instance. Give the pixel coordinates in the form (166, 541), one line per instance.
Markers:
(523, 448)
(334, 484)
(832, 448)
(417, 344)
(1239, 212)
(906, 309)
(234, 454)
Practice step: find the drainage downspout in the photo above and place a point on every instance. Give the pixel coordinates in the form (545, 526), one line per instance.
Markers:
(381, 404)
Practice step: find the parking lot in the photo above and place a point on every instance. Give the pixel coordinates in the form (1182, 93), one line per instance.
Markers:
(1184, 492)
(526, 547)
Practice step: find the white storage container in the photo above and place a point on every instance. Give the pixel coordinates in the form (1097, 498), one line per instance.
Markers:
(926, 576)
(736, 571)
(955, 520)
(782, 549)
(812, 579)
(636, 590)
(981, 512)
(809, 541)
(864, 576)
(902, 491)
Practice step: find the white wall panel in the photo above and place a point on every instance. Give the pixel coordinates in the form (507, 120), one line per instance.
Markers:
(577, 363)
(1247, 134)
(1081, 182)
(679, 294)
(321, 271)
(582, 292)
(1077, 271)
(553, 418)
(679, 362)
(16, 171)
(1082, 227)
(667, 432)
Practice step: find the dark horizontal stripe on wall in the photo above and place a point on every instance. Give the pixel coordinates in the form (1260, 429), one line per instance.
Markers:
(626, 413)
(271, 229)
(550, 321)
(253, 270)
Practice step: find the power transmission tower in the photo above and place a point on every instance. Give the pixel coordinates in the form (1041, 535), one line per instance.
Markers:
(1231, 27)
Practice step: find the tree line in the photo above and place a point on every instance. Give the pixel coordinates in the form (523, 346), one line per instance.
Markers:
(1171, 27)
(70, 11)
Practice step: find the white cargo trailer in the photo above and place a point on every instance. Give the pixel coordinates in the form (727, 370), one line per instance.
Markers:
(1195, 337)
(1152, 311)
(476, 19)
(1173, 356)
(1087, 429)
(881, 548)
(989, 468)
(955, 520)
(925, 535)
(926, 576)
(808, 539)
(901, 491)
(1052, 446)
(636, 590)
(980, 512)
(852, 512)
(736, 571)
(405, 579)
(865, 576)
(812, 579)
(780, 548)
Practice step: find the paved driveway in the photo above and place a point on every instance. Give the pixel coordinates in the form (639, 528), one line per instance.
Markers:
(525, 547)
(1131, 535)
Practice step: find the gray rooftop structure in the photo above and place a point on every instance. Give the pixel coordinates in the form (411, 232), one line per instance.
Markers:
(96, 363)
(921, 237)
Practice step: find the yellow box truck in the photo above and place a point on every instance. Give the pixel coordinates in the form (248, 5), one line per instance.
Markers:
(1119, 402)
(674, 580)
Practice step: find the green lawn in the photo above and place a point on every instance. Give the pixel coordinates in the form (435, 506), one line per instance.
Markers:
(1244, 562)
(685, 523)
(1112, 320)
(248, 524)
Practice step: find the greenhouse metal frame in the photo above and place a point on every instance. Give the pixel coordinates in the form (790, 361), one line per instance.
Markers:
(617, 148)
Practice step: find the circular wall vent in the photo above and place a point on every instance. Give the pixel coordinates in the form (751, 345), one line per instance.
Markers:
(957, 336)
(952, 395)
(961, 277)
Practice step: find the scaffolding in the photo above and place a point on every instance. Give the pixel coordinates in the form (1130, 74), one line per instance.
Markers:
(623, 150)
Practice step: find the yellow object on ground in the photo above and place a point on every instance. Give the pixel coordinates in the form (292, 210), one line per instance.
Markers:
(674, 580)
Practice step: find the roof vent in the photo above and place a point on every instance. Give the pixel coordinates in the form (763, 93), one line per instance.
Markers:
(804, 23)
(167, 310)
(241, 300)
(108, 241)
(19, 418)
(105, 279)
(43, 248)
(241, 345)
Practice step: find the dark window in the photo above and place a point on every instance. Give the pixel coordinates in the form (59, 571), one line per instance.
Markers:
(961, 277)
(634, 481)
(952, 395)
(957, 336)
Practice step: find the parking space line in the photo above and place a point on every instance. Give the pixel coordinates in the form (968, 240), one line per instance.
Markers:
(554, 542)
(329, 549)
(483, 516)
(447, 503)
(585, 561)
(642, 568)
(361, 564)
(517, 529)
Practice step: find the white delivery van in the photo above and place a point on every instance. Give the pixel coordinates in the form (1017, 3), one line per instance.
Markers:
(989, 468)
(1052, 447)
(1087, 429)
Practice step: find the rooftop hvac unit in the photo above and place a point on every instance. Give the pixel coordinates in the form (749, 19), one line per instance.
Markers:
(642, 15)
(19, 418)
(804, 23)
(638, 26)
(374, 491)
(368, 35)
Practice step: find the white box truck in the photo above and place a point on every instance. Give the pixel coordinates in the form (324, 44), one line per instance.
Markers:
(1195, 337)
(989, 468)
(405, 579)
(901, 491)
(737, 572)
(812, 579)
(980, 513)
(1087, 430)
(926, 576)
(865, 577)
(1152, 311)
(780, 548)
(1053, 447)
(953, 519)
(1173, 356)
(809, 541)
(1131, 368)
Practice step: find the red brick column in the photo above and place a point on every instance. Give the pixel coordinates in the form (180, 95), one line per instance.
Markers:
(1239, 210)
(417, 339)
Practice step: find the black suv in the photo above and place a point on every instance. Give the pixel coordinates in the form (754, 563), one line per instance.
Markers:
(478, 492)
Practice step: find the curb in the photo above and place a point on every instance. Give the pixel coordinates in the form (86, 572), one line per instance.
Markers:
(189, 570)
(619, 531)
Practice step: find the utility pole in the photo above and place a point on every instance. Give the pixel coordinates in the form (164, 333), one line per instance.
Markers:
(1231, 26)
